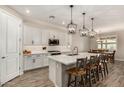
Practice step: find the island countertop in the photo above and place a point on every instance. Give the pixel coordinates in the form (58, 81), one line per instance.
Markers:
(67, 60)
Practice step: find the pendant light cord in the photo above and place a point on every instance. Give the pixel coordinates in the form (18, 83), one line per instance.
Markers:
(92, 23)
(83, 20)
(71, 13)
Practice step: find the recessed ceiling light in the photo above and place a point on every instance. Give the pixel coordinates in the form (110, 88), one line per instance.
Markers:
(27, 11)
(63, 23)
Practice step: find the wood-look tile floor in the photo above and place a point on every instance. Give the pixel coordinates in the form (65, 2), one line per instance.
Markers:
(34, 78)
(39, 78)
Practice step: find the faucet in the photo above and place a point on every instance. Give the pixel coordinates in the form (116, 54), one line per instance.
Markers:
(75, 48)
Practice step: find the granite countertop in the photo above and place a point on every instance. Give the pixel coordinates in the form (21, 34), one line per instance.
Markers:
(67, 60)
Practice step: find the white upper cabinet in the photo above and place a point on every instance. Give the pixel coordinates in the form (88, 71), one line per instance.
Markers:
(45, 37)
(32, 35)
(39, 36)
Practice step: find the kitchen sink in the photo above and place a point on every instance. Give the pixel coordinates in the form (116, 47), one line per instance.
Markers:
(72, 54)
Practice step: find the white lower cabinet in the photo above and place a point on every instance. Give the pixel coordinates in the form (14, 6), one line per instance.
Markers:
(28, 63)
(35, 61)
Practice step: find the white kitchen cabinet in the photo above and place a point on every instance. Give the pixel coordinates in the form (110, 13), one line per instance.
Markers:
(32, 35)
(45, 37)
(28, 63)
(32, 62)
(35, 61)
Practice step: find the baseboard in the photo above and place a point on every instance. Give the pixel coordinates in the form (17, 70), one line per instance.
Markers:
(21, 73)
(119, 59)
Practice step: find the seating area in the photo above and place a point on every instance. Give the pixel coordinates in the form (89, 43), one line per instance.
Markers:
(88, 72)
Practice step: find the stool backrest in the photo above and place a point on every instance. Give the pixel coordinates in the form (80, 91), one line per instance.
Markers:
(92, 59)
(81, 62)
(103, 57)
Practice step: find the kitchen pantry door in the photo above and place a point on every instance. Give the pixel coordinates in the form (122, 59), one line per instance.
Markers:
(10, 48)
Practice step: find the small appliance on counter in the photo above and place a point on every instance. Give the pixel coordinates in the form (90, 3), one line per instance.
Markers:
(53, 42)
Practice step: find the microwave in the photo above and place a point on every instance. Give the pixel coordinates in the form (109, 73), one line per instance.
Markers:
(53, 42)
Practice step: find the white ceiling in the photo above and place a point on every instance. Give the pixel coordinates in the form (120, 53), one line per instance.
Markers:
(107, 18)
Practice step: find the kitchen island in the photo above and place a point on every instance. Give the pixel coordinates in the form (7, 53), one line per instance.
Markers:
(58, 65)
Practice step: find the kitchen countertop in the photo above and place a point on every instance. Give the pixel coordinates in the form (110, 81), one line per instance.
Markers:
(35, 53)
(67, 60)
(42, 52)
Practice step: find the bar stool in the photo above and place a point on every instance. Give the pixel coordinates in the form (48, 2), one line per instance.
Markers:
(103, 64)
(91, 71)
(78, 71)
(99, 68)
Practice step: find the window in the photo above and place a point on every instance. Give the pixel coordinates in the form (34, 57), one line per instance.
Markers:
(109, 43)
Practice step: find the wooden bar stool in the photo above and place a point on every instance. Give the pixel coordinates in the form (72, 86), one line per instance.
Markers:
(77, 72)
(103, 64)
(99, 69)
(91, 71)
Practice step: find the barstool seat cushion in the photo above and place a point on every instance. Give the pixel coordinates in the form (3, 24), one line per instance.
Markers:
(76, 71)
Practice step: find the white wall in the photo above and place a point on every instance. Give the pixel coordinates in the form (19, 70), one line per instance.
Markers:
(120, 44)
(83, 43)
(93, 43)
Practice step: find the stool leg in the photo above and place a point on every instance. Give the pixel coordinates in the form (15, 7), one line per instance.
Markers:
(94, 75)
(86, 79)
(100, 71)
(106, 67)
(82, 81)
(90, 81)
(97, 73)
(75, 81)
(69, 80)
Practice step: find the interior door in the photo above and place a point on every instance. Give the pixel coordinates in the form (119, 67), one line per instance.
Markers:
(10, 48)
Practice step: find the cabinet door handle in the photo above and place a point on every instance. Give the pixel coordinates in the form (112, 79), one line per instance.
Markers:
(33, 60)
(3, 57)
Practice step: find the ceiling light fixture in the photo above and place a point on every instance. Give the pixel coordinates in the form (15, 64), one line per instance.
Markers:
(92, 33)
(84, 32)
(71, 27)
(27, 11)
(63, 23)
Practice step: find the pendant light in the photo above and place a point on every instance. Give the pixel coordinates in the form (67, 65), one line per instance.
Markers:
(71, 27)
(84, 31)
(92, 33)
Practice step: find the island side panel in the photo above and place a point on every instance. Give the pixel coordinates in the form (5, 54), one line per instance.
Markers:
(57, 73)
(52, 71)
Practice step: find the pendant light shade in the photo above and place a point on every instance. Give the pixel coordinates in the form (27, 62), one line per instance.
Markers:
(84, 31)
(92, 33)
(71, 27)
